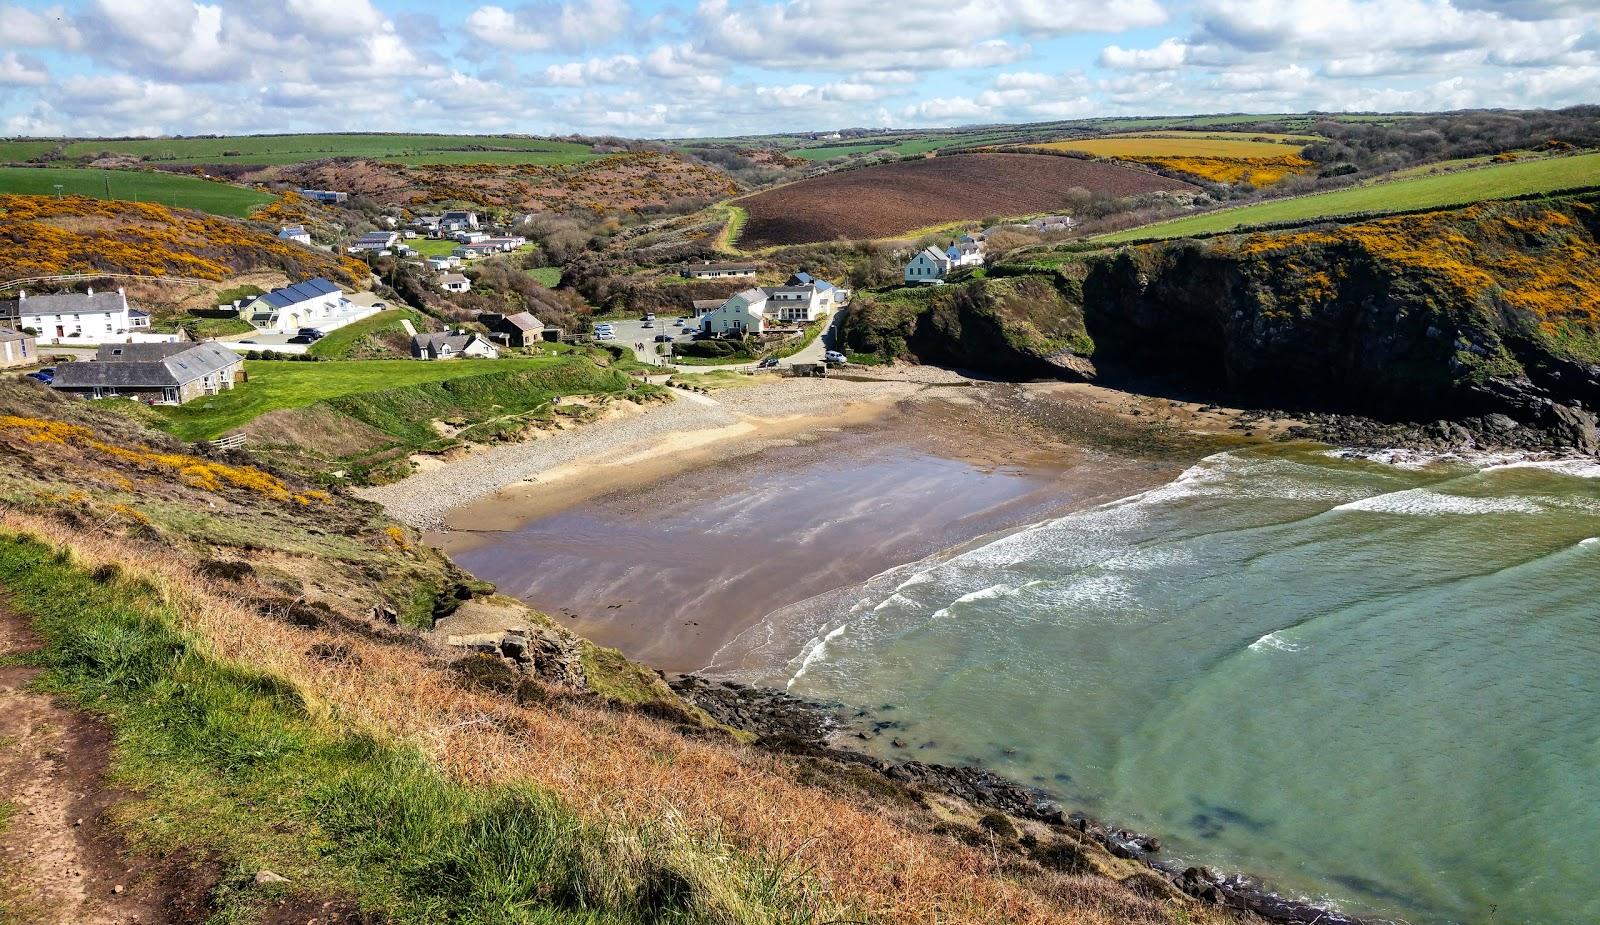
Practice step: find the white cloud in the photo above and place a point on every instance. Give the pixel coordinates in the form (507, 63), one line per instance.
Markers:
(540, 26)
(1169, 54)
(22, 71)
(47, 28)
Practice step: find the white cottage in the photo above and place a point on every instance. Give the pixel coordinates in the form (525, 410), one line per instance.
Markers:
(315, 303)
(83, 317)
(929, 266)
(743, 313)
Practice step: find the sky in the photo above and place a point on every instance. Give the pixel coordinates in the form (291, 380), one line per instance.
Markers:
(656, 68)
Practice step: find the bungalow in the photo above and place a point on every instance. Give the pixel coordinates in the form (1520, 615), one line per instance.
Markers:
(314, 303)
(375, 242)
(1052, 223)
(708, 270)
(168, 374)
(427, 224)
(507, 242)
(704, 306)
(929, 266)
(17, 349)
(443, 262)
(444, 346)
(89, 316)
(965, 253)
(742, 313)
(296, 233)
(454, 282)
(475, 251)
(470, 237)
(324, 195)
(519, 330)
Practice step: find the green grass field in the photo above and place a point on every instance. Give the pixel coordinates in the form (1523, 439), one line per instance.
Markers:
(433, 247)
(339, 343)
(13, 152)
(140, 186)
(1466, 186)
(294, 149)
(276, 384)
(548, 277)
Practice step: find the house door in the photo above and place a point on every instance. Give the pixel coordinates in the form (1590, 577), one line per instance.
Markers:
(61, 331)
(170, 395)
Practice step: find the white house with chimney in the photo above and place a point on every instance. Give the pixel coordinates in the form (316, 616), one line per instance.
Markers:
(929, 266)
(81, 317)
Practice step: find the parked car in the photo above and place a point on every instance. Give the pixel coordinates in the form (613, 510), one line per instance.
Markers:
(313, 333)
(302, 339)
(46, 375)
(678, 322)
(834, 356)
(648, 324)
(599, 328)
(648, 316)
(767, 363)
(663, 338)
(605, 335)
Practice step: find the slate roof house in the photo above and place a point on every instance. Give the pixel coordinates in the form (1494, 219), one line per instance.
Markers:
(315, 303)
(444, 346)
(375, 242)
(454, 282)
(17, 349)
(743, 313)
(88, 317)
(156, 373)
(519, 330)
(295, 233)
(929, 266)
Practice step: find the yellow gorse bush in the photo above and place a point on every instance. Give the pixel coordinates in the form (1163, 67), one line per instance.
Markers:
(204, 474)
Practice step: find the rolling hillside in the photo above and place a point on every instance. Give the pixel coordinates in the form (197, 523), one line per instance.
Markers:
(1498, 181)
(167, 189)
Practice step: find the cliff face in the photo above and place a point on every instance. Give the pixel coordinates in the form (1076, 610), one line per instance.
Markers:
(1489, 309)
(1016, 326)
(1493, 308)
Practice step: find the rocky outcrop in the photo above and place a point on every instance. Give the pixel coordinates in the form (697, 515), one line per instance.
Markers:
(1493, 309)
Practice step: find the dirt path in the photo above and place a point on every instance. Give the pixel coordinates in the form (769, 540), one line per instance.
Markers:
(60, 861)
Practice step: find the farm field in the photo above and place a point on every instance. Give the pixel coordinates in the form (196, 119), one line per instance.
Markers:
(890, 199)
(1494, 182)
(277, 384)
(294, 149)
(901, 146)
(12, 152)
(138, 186)
(1177, 144)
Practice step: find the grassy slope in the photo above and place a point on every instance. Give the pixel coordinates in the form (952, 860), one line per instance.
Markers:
(229, 759)
(164, 188)
(276, 384)
(1495, 182)
(548, 277)
(338, 344)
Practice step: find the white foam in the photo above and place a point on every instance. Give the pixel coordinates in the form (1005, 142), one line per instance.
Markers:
(1577, 468)
(815, 649)
(1272, 641)
(1590, 541)
(1425, 502)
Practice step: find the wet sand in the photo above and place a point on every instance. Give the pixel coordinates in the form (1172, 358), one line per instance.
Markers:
(672, 555)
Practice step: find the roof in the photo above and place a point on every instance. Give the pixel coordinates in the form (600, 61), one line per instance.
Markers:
(706, 305)
(458, 213)
(299, 292)
(796, 290)
(937, 255)
(744, 300)
(523, 321)
(709, 266)
(147, 365)
(450, 278)
(806, 279)
(434, 343)
(68, 303)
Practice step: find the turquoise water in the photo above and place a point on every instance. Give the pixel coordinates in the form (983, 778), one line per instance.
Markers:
(1370, 684)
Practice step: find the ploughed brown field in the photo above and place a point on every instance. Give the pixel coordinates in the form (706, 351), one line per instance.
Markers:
(877, 202)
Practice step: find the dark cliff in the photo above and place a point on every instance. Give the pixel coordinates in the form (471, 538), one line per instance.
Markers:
(1489, 309)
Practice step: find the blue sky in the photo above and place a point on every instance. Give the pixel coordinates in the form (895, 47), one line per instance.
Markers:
(652, 68)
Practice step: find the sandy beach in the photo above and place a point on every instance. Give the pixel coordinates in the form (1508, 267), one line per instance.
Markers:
(669, 530)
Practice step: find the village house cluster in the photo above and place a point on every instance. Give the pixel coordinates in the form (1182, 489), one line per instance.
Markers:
(930, 265)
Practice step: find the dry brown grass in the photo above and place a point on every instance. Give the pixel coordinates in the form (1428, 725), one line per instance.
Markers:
(620, 767)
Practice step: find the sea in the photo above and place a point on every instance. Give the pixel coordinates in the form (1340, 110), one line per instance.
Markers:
(1371, 680)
